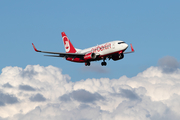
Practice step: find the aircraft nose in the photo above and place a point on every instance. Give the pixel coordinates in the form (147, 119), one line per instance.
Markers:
(126, 45)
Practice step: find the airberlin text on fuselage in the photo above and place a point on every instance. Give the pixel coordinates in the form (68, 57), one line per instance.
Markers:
(101, 48)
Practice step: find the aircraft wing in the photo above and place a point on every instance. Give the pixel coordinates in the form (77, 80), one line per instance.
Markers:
(59, 54)
(132, 50)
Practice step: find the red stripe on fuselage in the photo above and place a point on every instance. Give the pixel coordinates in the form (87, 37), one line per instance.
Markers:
(75, 59)
(98, 58)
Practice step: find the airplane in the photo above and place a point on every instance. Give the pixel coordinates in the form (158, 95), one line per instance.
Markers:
(114, 50)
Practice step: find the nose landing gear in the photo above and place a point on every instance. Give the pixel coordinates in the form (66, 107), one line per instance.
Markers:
(104, 63)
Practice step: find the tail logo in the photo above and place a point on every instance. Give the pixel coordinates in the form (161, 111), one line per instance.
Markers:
(67, 46)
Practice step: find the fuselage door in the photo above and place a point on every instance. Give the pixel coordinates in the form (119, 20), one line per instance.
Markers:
(113, 45)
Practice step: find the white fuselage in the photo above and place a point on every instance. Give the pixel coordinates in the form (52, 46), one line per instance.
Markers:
(106, 48)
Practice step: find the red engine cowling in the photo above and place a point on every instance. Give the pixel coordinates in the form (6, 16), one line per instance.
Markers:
(118, 56)
(90, 56)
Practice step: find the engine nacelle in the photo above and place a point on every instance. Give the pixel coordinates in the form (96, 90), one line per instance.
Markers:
(90, 56)
(118, 56)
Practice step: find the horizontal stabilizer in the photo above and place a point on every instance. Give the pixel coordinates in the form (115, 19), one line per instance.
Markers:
(132, 50)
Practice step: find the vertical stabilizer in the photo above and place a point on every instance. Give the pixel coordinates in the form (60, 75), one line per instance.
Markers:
(67, 44)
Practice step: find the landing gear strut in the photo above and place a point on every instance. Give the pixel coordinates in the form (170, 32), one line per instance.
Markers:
(104, 63)
(87, 64)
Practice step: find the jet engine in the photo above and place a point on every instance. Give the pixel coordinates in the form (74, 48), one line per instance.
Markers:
(90, 56)
(118, 56)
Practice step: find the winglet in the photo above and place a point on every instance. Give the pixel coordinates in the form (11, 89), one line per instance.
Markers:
(34, 48)
(132, 49)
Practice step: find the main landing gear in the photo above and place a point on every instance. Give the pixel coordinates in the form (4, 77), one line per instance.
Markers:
(87, 64)
(104, 63)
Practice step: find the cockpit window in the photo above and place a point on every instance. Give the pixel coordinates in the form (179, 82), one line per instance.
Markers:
(120, 42)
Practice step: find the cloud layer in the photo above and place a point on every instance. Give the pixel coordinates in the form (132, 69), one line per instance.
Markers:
(38, 92)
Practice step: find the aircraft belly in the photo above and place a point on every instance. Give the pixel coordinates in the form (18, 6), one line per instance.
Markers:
(75, 59)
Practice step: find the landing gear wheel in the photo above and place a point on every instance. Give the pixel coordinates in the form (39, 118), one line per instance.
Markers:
(87, 64)
(103, 63)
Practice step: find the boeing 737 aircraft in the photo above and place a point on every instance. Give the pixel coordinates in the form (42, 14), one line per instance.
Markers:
(114, 50)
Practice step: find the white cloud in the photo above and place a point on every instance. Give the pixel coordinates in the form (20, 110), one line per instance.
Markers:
(81, 96)
(37, 98)
(38, 92)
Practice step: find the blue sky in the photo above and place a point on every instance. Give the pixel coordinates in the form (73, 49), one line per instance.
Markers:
(151, 26)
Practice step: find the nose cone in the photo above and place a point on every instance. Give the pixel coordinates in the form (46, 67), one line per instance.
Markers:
(126, 46)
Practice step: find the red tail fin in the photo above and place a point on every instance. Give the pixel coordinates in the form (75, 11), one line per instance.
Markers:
(67, 44)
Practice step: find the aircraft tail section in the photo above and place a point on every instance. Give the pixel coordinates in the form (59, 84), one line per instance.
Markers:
(67, 44)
